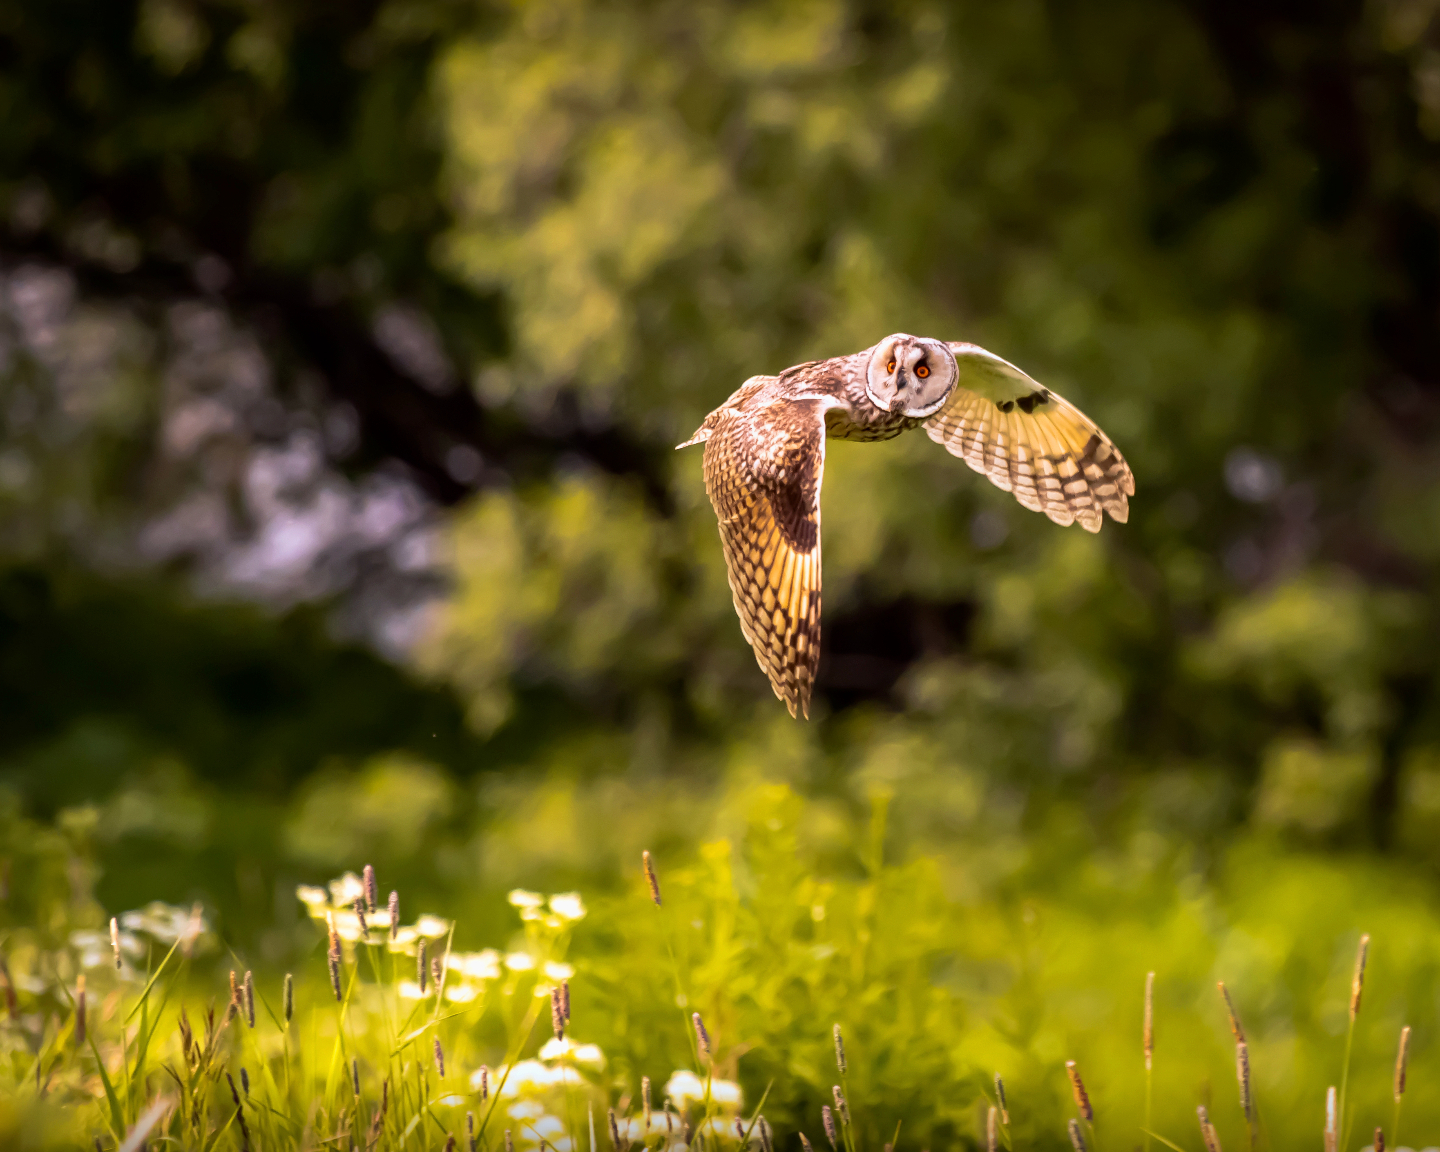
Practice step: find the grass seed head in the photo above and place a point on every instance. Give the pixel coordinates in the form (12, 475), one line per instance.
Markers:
(509, 1141)
(450, 1142)
(645, 1099)
(437, 972)
(115, 940)
(359, 909)
(439, 1058)
(355, 1075)
(565, 999)
(394, 915)
(1402, 1058)
(484, 1083)
(234, 1093)
(470, 1131)
(1077, 1138)
(1149, 1019)
(79, 1011)
(422, 967)
(557, 1014)
(1000, 1099)
(1357, 982)
(992, 1130)
(1082, 1098)
(614, 1131)
(1379, 1141)
(1242, 1076)
(702, 1036)
(370, 892)
(249, 993)
(1332, 1132)
(842, 1109)
(805, 1143)
(288, 999)
(650, 880)
(1235, 1028)
(839, 1050)
(827, 1118)
(245, 1081)
(233, 1008)
(767, 1141)
(1207, 1131)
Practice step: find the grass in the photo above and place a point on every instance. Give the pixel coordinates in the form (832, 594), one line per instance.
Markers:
(746, 982)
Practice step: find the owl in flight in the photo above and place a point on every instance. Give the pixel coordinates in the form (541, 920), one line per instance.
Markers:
(765, 453)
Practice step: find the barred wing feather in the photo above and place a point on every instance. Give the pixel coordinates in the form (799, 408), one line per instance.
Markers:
(1031, 442)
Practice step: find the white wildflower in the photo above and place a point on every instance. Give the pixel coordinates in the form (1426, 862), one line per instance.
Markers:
(346, 889)
(312, 897)
(568, 906)
(554, 970)
(520, 962)
(520, 898)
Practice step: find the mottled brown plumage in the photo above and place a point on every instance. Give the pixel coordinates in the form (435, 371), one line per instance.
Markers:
(765, 458)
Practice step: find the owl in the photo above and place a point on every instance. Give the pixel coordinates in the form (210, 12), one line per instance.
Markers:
(765, 455)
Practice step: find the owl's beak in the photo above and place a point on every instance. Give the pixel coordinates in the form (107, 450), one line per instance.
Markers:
(901, 380)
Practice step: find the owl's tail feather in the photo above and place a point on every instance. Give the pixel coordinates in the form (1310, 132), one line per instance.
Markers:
(701, 435)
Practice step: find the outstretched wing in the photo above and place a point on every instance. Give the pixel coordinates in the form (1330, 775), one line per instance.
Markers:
(762, 470)
(1031, 442)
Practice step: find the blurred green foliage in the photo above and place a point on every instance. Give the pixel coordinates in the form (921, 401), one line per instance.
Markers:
(1206, 742)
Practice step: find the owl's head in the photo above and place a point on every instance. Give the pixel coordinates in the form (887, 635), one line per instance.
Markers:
(912, 375)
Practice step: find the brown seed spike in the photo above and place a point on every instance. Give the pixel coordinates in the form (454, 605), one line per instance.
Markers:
(650, 879)
(700, 1034)
(1242, 1075)
(422, 967)
(557, 1014)
(394, 909)
(1082, 1098)
(1357, 982)
(79, 1012)
(248, 989)
(992, 1134)
(1235, 1028)
(370, 893)
(1077, 1138)
(827, 1118)
(1207, 1131)
(1379, 1141)
(1402, 1058)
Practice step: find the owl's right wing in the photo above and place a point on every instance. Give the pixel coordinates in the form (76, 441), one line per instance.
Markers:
(1032, 442)
(763, 469)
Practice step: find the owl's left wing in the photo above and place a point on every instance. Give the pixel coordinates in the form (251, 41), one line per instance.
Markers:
(763, 468)
(1030, 441)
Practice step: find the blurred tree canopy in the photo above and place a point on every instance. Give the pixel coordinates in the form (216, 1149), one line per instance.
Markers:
(346, 344)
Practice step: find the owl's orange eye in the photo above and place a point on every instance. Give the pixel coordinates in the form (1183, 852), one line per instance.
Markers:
(890, 367)
(922, 371)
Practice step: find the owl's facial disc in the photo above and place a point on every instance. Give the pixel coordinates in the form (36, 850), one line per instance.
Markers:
(910, 375)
